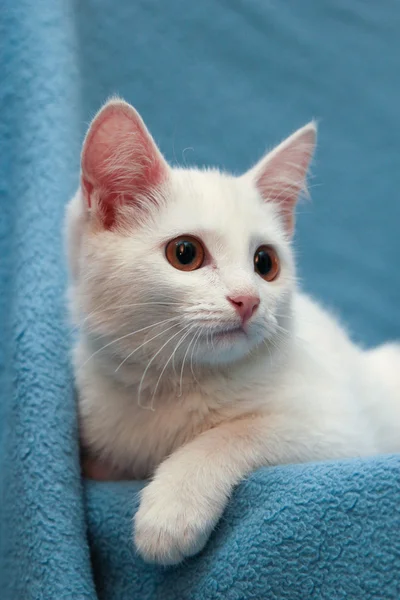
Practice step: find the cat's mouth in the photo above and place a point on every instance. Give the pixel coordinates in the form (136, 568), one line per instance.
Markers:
(227, 333)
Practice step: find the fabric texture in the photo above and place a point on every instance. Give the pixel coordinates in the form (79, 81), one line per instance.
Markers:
(216, 82)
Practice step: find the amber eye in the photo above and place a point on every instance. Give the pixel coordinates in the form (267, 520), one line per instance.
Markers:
(266, 263)
(185, 253)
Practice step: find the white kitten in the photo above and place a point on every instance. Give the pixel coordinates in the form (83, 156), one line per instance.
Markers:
(198, 358)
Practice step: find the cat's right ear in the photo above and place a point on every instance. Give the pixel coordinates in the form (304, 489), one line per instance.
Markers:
(121, 164)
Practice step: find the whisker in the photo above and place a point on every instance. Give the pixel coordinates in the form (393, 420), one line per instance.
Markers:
(148, 366)
(127, 335)
(280, 328)
(191, 357)
(118, 307)
(144, 343)
(212, 340)
(183, 362)
(268, 346)
(167, 363)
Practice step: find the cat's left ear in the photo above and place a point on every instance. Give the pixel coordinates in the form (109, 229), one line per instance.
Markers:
(281, 176)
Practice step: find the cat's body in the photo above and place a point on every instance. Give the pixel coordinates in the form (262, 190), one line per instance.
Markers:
(202, 376)
(341, 413)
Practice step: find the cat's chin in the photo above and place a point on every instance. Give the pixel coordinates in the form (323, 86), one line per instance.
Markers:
(226, 347)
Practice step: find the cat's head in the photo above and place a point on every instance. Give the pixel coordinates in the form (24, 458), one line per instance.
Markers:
(183, 264)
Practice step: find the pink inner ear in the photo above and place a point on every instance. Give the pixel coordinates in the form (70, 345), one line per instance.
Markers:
(281, 177)
(278, 185)
(120, 161)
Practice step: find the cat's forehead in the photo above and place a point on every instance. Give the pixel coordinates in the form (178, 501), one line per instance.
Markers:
(213, 201)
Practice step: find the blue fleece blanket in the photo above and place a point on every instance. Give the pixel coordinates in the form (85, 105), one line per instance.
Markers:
(217, 82)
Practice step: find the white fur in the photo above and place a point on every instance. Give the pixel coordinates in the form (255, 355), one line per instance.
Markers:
(198, 413)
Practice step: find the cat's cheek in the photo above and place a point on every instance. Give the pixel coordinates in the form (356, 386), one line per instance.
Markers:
(173, 524)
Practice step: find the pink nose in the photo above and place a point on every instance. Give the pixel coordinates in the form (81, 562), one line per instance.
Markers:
(245, 306)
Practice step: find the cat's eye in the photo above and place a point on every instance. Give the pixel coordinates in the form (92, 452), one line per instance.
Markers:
(185, 253)
(266, 263)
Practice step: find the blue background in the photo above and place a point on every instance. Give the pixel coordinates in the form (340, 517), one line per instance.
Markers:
(230, 79)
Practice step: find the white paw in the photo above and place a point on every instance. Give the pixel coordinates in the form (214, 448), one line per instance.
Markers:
(171, 525)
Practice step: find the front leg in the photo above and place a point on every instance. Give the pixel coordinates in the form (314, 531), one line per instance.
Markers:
(190, 489)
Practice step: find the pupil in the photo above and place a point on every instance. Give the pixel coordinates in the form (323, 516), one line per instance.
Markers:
(263, 262)
(185, 252)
